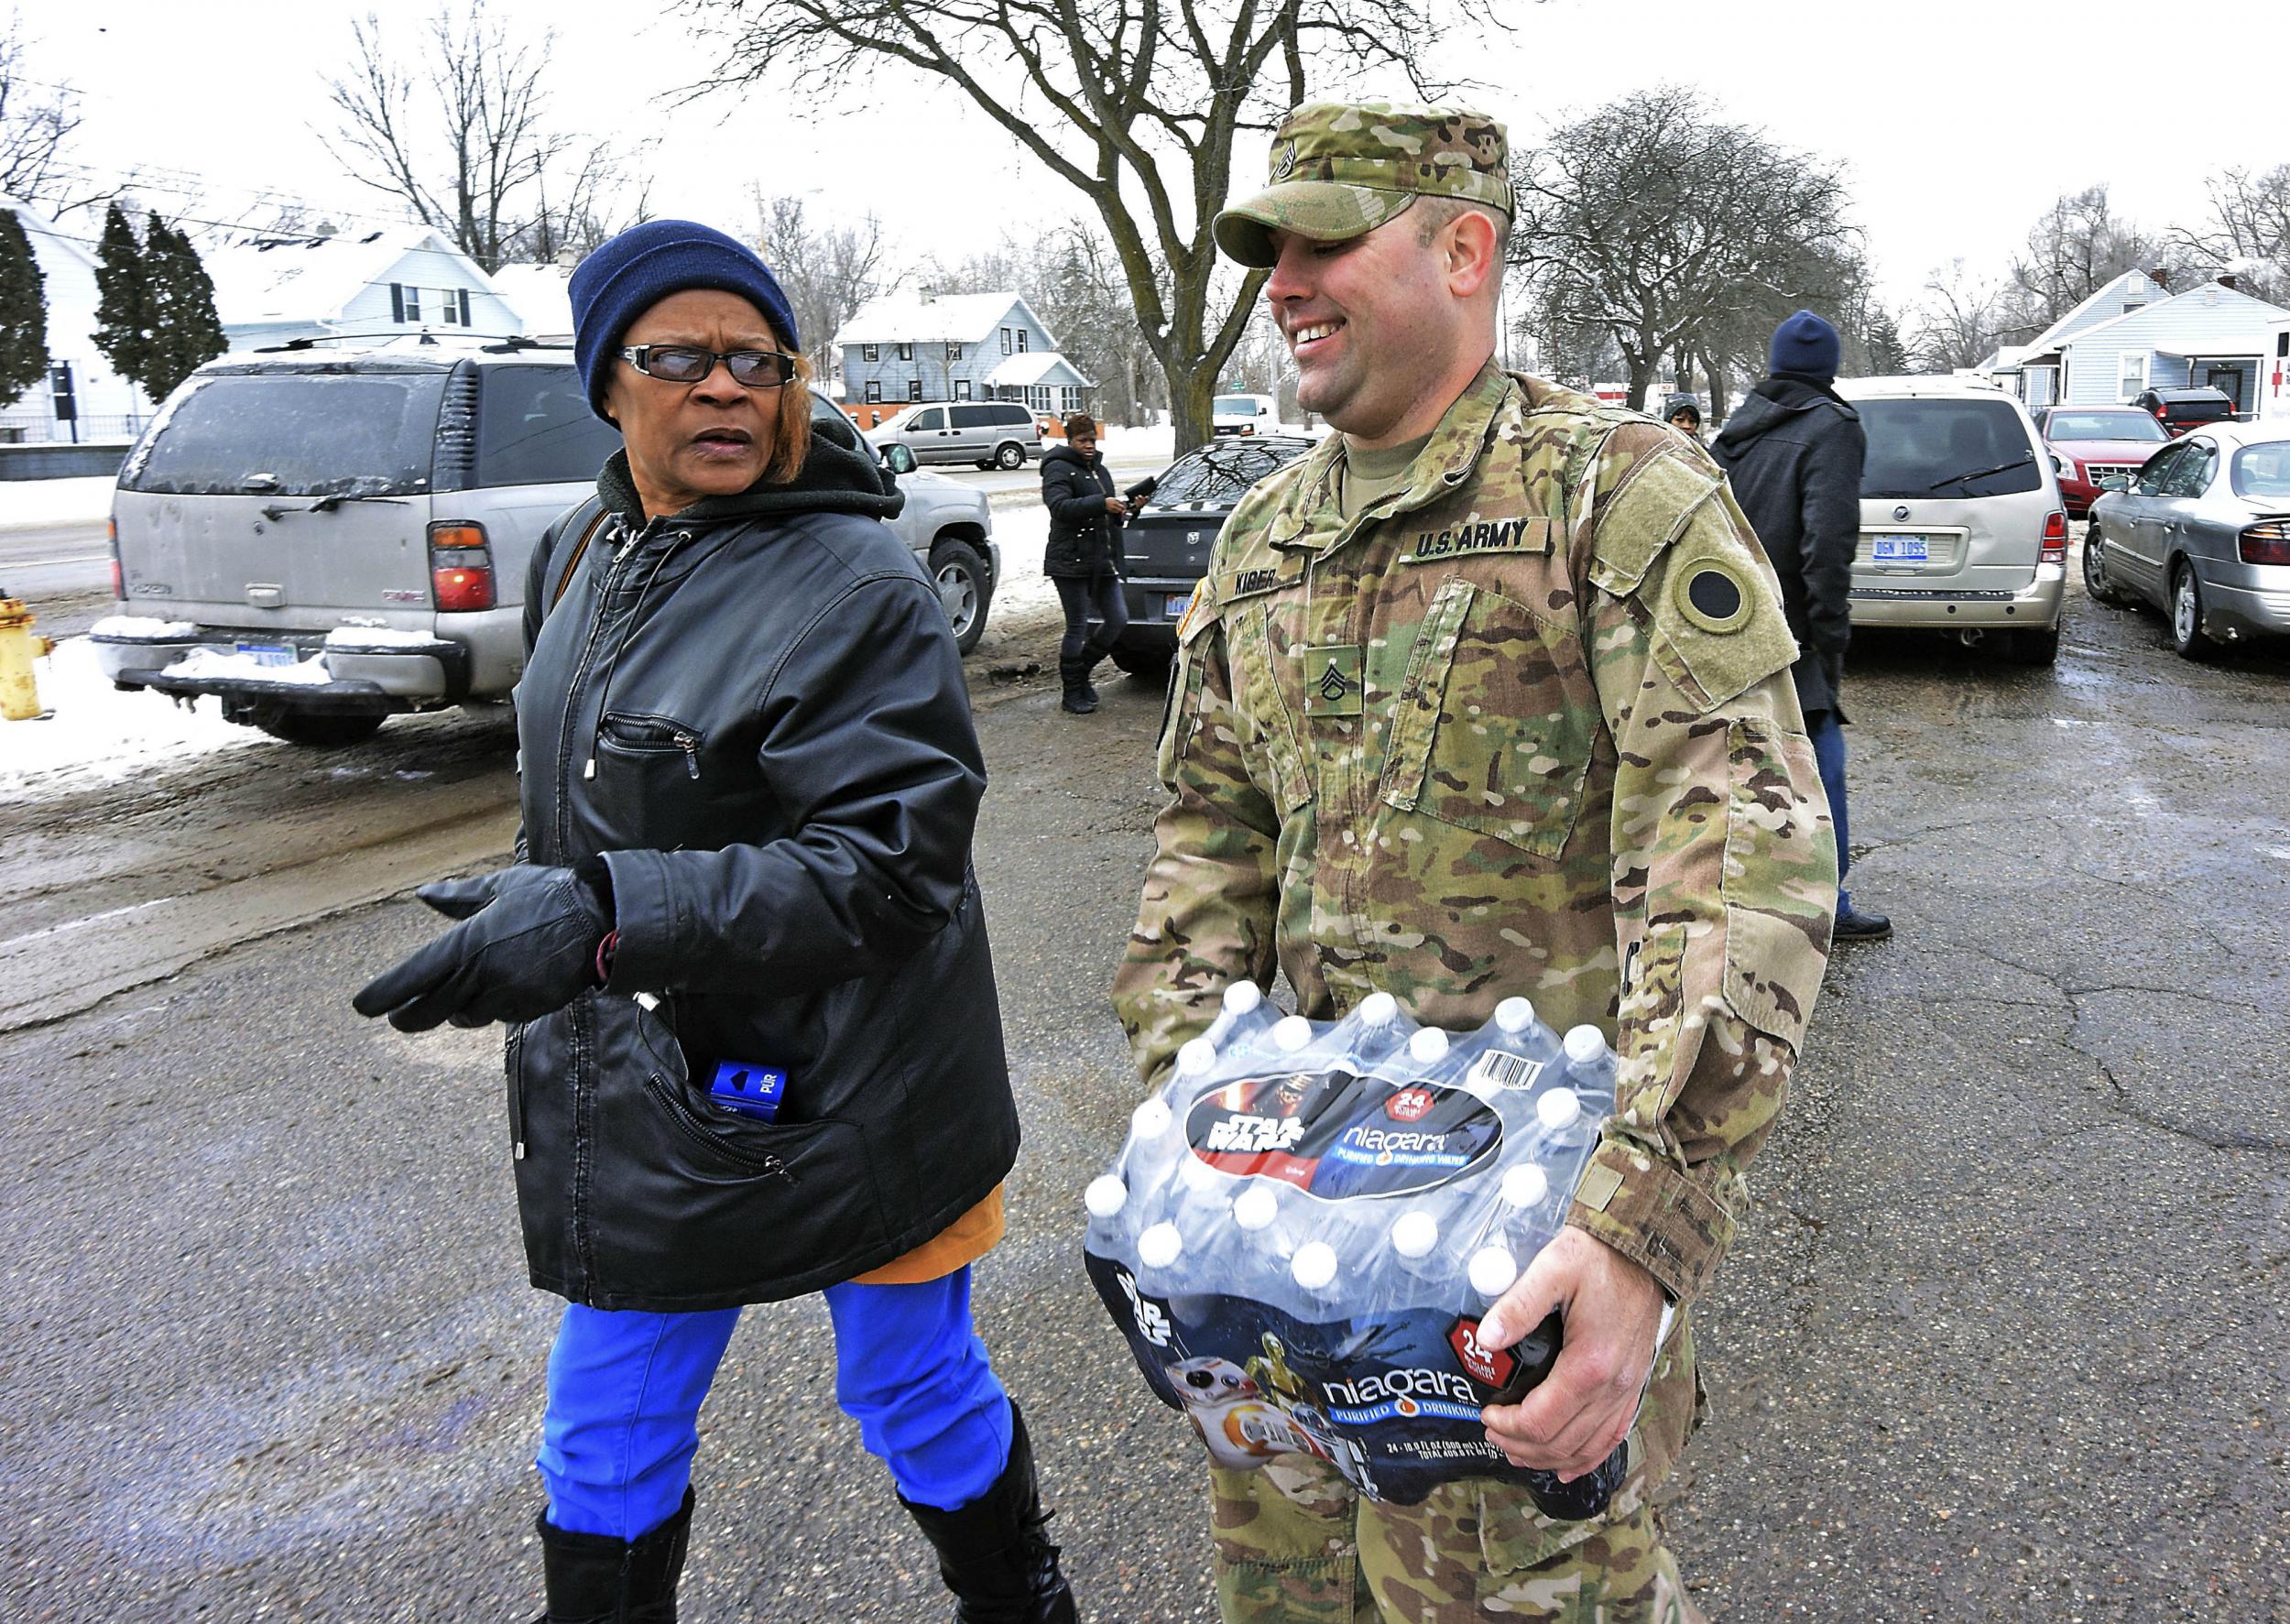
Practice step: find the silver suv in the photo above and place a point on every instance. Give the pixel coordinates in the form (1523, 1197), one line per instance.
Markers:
(1962, 529)
(321, 539)
(985, 433)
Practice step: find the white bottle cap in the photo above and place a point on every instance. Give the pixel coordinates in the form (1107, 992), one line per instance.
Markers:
(1242, 998)
(1158, 1246)
(1195, 1058)
(1584, 1044)
(1196, 1174)
(1292, 1033)
(1256, 1207)
(1427, 1045)
(1314, 1265)
(1493, 1269)
(1558, 1108)
(1526, 1185)
(1152, 1119)
(1514, 1015)
(1414, 1234)
(1378, 1009)
(1105, 1196)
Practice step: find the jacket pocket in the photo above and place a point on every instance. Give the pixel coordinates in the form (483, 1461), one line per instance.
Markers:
(642, 738)
(1493, 724)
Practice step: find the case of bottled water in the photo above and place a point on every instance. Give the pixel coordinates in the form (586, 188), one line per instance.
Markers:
(1308, 1219)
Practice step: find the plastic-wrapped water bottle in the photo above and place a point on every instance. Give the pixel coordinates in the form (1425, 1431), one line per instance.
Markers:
(1416, 1253)
(1244, 1019)
(1590, 1066)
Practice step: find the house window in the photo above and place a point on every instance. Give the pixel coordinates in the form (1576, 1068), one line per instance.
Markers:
(405, 303)
(2132, 375)
(915, 389)
(962, 388)
(870, 352)
(906, 352)
(448, 308)
(954, 351)
(1021, 341)
(874, 391)
(1005, 341)
(1073, 399)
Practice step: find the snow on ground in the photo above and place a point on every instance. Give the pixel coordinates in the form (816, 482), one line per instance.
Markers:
(1160, 440)
(1023, 533)
(36, 503)
(98, 734)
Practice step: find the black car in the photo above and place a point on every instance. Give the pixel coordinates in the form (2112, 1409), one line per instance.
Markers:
(2183, 408)
(1165, 548)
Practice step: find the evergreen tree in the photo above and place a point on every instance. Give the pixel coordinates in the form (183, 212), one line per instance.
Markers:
(1887, 355)
(185, 332)
(122, 307)
(23, 311)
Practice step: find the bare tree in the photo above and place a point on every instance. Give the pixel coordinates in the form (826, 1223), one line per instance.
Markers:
(464, 140)
(37, 123)
(2074, 247)
(1654, 219)
(1956, 323)
(826, 269)
(1134, 103)
(2247, 231)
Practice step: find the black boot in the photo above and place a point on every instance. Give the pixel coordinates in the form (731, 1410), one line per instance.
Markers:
(993, 1553)
(1080, 698)
(1092, 652)
(596, 1579)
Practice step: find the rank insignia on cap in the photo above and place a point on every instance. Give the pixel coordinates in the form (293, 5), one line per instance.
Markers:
(1712, 595)
(1286, 167)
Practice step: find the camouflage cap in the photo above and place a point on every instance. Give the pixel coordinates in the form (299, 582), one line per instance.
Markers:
(1339, 168)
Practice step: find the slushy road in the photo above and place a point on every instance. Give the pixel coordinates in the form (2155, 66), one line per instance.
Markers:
(2002, 1339)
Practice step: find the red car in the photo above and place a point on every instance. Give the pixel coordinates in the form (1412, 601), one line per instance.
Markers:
(2089, 442)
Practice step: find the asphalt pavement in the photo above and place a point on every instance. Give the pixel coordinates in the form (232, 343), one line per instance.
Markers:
(2003, 1339)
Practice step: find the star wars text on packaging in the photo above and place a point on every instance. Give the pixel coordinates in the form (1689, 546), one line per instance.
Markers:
(1309, 1218)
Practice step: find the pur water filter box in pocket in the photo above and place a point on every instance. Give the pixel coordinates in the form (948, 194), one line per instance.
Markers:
(1308, 1219)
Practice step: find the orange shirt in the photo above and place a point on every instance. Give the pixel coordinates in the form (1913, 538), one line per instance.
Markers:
(960, 1244)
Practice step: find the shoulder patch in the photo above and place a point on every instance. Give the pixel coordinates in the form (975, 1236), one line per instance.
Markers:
(1654, 501)
(1715, 607)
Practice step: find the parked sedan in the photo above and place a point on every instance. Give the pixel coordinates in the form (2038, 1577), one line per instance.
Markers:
(1165, 548)
(2202, 534)
(2089, 442)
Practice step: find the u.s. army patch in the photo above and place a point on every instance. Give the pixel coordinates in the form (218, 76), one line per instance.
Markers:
(1332, 681)
(1492, 535)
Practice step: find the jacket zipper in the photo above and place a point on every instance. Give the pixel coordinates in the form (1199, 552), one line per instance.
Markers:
(686, 1119)
(690, 744)
(572, 690)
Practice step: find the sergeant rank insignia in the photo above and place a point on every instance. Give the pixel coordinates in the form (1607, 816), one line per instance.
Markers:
(1332, 681)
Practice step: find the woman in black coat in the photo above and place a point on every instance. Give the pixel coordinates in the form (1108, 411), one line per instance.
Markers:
(754, 1046)
(1083, 557)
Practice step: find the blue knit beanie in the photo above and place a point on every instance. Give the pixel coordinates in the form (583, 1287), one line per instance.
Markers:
(645, 263)
(1804, 343)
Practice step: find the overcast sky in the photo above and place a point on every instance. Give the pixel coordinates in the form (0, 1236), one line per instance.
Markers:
(1960, 121)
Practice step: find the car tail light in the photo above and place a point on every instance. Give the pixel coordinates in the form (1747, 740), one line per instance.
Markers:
(119, 576)
(2055, 537)
(460, 568)
(2267, 543)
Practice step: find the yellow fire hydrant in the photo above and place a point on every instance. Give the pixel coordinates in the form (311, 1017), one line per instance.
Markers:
(19, 694)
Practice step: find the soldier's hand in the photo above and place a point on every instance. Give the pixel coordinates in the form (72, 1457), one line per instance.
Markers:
(1585, 1407)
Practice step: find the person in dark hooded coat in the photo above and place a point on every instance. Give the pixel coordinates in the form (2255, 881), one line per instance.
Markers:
(1793, 453)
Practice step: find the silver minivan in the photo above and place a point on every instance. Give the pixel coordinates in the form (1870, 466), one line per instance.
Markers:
(319, 541)
(1962, 529)
(986, 434)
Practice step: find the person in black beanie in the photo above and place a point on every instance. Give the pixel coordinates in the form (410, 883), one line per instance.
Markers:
(1083, 557)
(1793, 453)
(754, 1048)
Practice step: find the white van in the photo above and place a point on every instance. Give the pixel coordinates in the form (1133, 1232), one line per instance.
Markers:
(1244, 414)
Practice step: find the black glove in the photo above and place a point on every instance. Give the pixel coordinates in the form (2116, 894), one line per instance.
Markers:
(526, 945)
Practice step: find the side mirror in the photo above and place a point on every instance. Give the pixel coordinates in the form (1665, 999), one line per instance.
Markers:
(898, 459)
(2116, 481)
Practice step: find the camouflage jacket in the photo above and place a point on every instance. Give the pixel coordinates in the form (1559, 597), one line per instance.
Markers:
(1526, 727)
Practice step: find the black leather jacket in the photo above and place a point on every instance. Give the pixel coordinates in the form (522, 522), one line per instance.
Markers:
(754, 711)
(1085, 539)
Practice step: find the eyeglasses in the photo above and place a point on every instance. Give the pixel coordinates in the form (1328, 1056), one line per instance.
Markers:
(686, 364)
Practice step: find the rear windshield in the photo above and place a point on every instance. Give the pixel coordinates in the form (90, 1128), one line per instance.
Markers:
(2104, 425)
(2262, 473)
(293, 434)
(2197, 409)
(1946, 448)
(534, 426)
(1217, 475)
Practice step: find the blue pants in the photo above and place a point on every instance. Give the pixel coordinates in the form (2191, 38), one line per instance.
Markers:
(1829, 751)
(625, 1390)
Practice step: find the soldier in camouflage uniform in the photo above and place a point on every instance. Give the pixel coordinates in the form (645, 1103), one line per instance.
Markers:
(1489, 695)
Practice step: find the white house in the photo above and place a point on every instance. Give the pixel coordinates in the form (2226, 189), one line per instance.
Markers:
(402, 280)
(106, 407)
(2213, 334)
(2032, 370)
(955, 346)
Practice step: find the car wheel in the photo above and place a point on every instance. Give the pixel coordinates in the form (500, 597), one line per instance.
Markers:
(1147, 665)
(320, 730)
(959, 575)
(2186, 614)
(2033, 646)
(2096, 584)
(1010, 456)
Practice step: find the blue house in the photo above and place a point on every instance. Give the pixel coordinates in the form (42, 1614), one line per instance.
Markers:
(401, 280)
(2135, 333)
(905, 347)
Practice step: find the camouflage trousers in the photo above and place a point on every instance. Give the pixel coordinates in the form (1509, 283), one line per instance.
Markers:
(1295, 1545)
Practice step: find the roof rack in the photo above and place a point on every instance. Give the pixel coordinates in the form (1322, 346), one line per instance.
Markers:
(510, 345)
